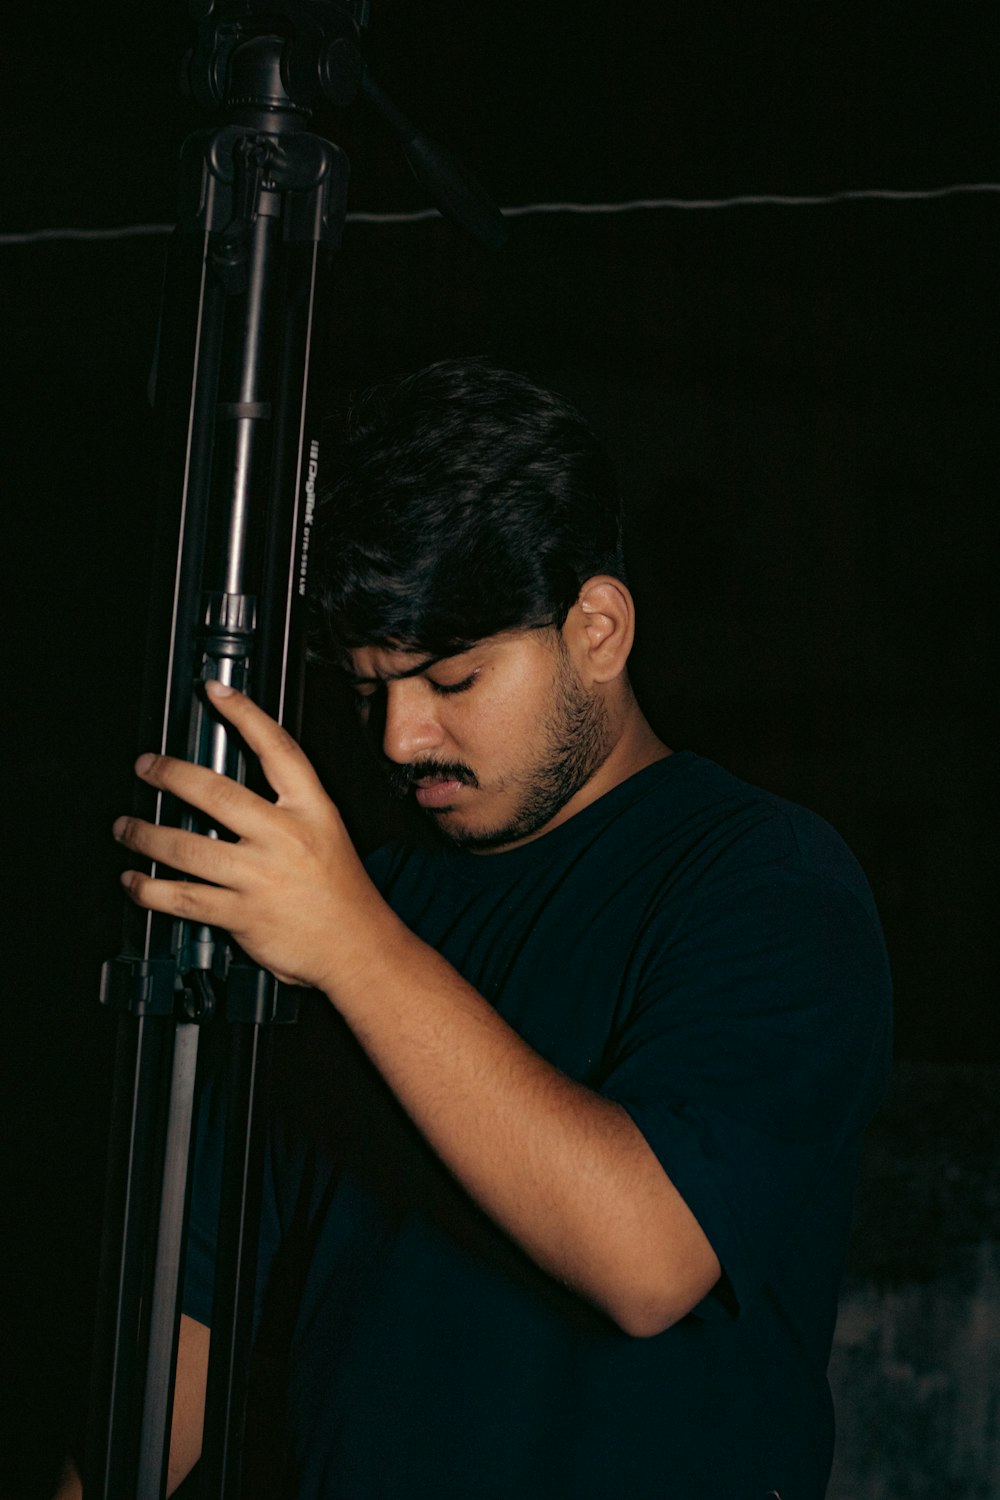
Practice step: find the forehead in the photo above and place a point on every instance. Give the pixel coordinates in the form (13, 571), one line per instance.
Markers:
(388, 663)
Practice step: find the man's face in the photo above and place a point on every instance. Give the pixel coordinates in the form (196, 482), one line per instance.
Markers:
(496, 743)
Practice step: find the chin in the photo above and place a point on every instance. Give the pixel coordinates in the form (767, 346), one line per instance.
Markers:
(488, 840)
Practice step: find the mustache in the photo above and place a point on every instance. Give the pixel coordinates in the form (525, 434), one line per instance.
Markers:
(402, 778)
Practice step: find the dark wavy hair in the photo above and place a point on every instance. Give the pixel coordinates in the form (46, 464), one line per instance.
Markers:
(464, 500)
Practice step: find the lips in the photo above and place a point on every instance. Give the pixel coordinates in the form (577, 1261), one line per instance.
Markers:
(436, 791)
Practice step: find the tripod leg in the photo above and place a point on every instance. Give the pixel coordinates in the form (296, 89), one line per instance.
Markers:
(239, 1217)
(143, 1065)
(164, 1309)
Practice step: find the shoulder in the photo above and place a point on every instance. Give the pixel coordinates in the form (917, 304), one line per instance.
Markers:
(725, 828)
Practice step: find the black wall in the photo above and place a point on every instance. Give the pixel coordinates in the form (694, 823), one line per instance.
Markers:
(801, 401)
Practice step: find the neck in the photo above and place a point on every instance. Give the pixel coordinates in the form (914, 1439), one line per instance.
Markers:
(634, 747)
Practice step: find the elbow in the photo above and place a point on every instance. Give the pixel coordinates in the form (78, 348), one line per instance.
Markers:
(647, 1317)
(644, 1312)
(645, 1323)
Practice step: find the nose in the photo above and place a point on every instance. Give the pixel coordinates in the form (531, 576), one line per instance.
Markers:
(411, 731)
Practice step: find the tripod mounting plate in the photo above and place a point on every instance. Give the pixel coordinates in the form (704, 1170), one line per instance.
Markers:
(279, 56)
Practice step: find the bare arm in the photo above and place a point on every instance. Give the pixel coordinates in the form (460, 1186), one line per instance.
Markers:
(189, 1401)
(564, 1171)
(188, 1413)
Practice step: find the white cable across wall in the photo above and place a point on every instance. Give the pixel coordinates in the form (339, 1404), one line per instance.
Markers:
(525, 210)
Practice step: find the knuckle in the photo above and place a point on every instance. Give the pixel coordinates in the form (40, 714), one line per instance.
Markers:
(225, 793)
(283, 741)
(175, 849)
(186, 899)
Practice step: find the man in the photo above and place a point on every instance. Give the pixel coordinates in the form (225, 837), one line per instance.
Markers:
(569, 1210)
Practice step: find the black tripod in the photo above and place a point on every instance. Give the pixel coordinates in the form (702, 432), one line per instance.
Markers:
(262, 206)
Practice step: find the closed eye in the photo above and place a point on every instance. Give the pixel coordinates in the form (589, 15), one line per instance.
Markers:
(364, 697)
(364, 694)
(444, 688)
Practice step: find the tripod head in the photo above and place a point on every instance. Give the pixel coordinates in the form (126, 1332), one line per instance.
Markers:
(269, 63)
(268, 59)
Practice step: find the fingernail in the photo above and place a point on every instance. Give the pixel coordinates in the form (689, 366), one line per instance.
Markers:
(127, 877)
(220, 689)
(118, 827)
(144, 762)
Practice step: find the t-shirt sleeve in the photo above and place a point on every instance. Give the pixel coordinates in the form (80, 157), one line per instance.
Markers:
(754, 1052)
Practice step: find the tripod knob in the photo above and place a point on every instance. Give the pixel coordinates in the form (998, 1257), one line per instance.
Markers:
(316, 66)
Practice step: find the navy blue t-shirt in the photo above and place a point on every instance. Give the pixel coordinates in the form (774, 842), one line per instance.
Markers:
(708, 956)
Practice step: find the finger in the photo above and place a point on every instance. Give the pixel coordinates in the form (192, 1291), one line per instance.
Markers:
(181, 898)
(223, 800)
(283, 762)
(209, 859)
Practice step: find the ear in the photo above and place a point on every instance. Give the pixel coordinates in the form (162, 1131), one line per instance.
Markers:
(600, 629)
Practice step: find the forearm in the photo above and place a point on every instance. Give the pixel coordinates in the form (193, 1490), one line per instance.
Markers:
(565, 1172)
(188, 1412)
(188, 1418)
(70, 1484)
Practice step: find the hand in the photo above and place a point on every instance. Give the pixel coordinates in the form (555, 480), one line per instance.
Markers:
(291, 891)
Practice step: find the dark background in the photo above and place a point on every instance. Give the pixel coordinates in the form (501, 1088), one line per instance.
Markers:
(801, 401)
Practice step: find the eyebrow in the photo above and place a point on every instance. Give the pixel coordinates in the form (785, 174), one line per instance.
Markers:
(421, 666)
